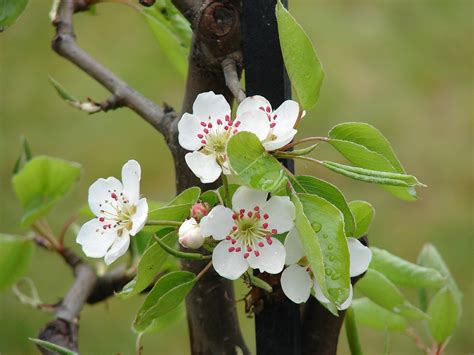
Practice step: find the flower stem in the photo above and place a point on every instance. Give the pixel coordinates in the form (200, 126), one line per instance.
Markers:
(304, 140)
(351, 333)
(181, 254)
(163, 223)
(225, 183)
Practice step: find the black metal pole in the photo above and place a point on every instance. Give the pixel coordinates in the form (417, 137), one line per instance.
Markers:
(278, 326)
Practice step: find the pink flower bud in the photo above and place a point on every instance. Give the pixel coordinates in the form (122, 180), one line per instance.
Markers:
(190, 234)
(199, 210)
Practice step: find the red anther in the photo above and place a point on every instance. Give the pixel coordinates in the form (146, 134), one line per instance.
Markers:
(269, 241)
(230, 122)
(273, 124)
(234, 216)
(265, 216)
(228, 237)
(209, 125)
(242, 210)
(226, 128)
(200, 135)
(256, 252)
(235, 131)
(257, 215)
(249, 249)
(203, 124)
(104, 226)
(101, 219)
(256, 208)
(219, 121)
(268, 109)
(203, 141)
(250, 214)
(234, 228)
(227, 117)
(274, 231)
(237, 124)
(261, 245)
(234, 241)
(268, 236)
(231, 249)
(262, 108)
(113, 195)
(238, 249)
(205, 130)
(265, 225)
(275, 116)
(246, 255)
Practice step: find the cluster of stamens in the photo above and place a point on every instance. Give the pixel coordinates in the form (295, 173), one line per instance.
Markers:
(271, 118)
(120, 217)
(250, 232)
(224, 129)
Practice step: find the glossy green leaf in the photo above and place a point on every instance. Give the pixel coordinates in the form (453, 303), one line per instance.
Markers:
(150, 264)
(168, 292)
(310, 243)
(10, 10)
(372, 315)
(171, 31)
(328, 224)
(321, 188)
(15, 256)
(402, 272)
(364, 146)
(444, 313)
(249, 160)
(382, 291)
(41, 183)
(167, 320)
(363, 213)
(301, 61)
(56, 349)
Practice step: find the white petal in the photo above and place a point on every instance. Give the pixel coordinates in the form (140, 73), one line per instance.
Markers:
(360, 257)
(255, 122)
(281, 213)
(296, 283)
(139, 217)
(209, 105)
(294, 250)
(205, 167)
(119, 248)
(253, 103)
(230, 265)
(189, 127)
(94, 244)
(280, 141)
(318, 293)
(218, 223)
(286, 116)
(100, 191)
(271, 258)
(131, 174)
(246, 198)
(347, 303)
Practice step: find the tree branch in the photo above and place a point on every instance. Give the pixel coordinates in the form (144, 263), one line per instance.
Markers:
(65, 45)
(229, 67)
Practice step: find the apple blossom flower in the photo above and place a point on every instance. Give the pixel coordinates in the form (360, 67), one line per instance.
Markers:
(246, 232)
(207, 130)
(297, 279)
(279, 123)
(190, 234)
(199, 210)
(120, 214)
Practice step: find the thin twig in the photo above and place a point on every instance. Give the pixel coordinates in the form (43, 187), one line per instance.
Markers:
(229, 67)
(417, 340)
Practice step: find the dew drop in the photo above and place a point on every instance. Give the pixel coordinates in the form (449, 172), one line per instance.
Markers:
(331, 257)
(325, 236)
(335, 276)
(328, 272)
(330, 247)
(316, 226)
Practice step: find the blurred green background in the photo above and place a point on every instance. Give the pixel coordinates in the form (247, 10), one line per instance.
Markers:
(404, 66)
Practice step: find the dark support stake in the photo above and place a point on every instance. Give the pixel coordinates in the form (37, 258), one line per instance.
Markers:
(278, 327)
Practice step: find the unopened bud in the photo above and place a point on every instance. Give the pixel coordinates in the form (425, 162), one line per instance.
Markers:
(190, 234)
(199, 210)
(89, 107)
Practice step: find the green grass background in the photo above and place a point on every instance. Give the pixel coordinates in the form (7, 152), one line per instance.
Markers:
(403, 66)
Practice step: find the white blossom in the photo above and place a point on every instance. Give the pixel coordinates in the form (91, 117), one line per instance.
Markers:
(189, 234)
(120, 214)
(246, 232)
(297, 279)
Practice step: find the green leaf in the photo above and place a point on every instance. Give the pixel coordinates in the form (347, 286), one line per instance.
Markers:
(364, 146)
(253, 164)
(363, 213)
(10, 10)
(315, 186)
(210, 196)
(41, 183)
(63, 94)
(402, 272)
(166, 320)
(372, 315)
(15, 256)
(301, 61)
(372, 176)
(150, 264)
(444, 313)
(172, 32)
(53, 347)
(382, 291)
(25, 156)
(168, 292)
(327, 222)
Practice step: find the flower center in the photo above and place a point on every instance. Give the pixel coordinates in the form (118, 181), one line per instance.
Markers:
(250, 232)
(272, 119)
(116, 213)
